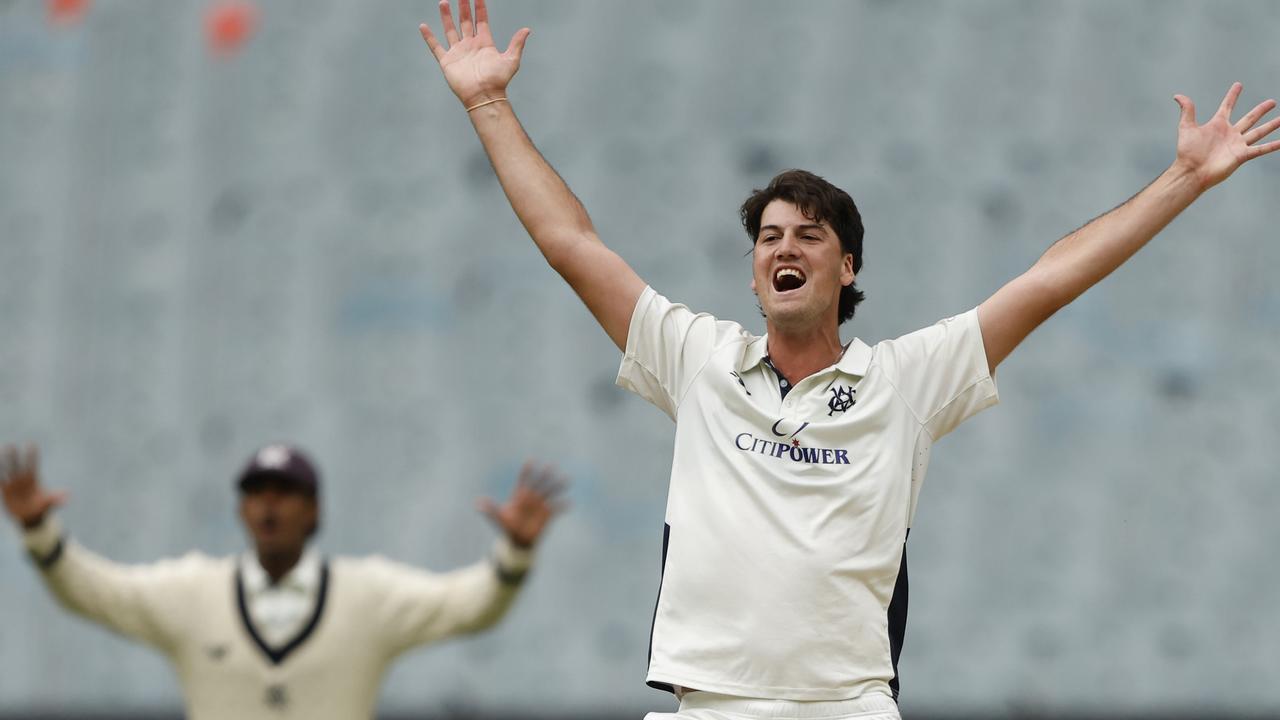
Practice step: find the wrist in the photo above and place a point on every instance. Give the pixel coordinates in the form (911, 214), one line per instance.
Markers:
(511, 561)
(1182, 175)
(42, 539)
(471, 100)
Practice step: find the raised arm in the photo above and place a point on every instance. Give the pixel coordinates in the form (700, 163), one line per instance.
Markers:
(137, 601)
(478, 74)
(418, 607)
(1206, 155)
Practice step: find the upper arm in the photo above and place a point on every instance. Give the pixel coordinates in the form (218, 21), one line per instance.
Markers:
(1009, 316)
(417, 607)
(137, 601)
(941, 372)
(605, 282)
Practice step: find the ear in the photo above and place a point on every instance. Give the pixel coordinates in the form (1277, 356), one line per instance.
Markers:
(753, 285)
(314, 506)
(846, 270)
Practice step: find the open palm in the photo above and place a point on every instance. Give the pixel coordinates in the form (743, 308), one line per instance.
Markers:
(1214, 150)
(24, 499)
(472, 65)
(536, 499)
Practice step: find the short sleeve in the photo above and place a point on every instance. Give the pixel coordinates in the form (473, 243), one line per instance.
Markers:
(941, 372)
(667, 346)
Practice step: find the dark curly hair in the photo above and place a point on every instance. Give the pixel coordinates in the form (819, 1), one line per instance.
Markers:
(820, 201)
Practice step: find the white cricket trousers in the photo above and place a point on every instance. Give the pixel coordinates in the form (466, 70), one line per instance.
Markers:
(710, 706)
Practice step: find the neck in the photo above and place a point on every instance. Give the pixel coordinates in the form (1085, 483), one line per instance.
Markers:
(799, 353)
(278, 564)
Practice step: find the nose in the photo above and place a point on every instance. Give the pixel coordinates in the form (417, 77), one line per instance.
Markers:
(787, 246)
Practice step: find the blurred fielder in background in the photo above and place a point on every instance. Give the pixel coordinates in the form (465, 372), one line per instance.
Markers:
(281, 631)
(798, 457)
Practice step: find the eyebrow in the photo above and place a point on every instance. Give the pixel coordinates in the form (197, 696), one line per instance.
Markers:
(800, 228)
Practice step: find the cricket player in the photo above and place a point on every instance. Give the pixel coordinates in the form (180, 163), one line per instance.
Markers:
(799, 457)
(280, 631)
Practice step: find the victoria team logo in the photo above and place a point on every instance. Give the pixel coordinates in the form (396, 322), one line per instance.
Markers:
(841, 399)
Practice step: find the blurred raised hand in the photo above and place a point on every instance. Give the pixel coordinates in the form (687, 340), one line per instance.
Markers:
(474, 68)
(536, 499)
(26, 501)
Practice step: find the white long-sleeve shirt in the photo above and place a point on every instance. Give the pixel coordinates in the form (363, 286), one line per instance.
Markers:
(194, 609)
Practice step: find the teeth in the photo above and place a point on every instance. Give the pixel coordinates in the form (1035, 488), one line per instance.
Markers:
(789, 272)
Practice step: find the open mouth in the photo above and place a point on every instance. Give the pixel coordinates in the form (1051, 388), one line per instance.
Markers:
(786, 279)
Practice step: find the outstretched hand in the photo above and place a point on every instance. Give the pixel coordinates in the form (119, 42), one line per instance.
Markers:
(24, 499)
(536, 499)
(472, 65)
(1214, 150)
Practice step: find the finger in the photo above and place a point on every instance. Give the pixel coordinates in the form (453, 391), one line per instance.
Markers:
(446, 17)
(540, 477)
(489, 509)
(1264, 149)
(552, 485)
(527, 472)
(1261, 131)
(464, 18)
(9, 464)
(482, 13)
(549, 491)
(31, 462)
(1255, 115)
(52, 501)
(516, 48)
(1188, 118)
(1229, 102)
(436, 49)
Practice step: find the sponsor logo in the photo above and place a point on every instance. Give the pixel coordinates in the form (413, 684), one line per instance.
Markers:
(793, 451)
(216, 652)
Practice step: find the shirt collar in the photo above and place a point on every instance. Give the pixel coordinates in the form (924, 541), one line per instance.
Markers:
(855, 361)
(304, 577)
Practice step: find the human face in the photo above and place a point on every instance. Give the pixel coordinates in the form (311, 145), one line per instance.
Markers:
(798, 269)
(278, 517)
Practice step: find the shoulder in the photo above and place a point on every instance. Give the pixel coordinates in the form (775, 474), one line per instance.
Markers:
(941, 337)
(656, 308)
(195, 563)
(373, 568)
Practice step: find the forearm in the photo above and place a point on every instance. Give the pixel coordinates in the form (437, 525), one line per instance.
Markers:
(1080, 260)
(1083, 258)
(549, 211)
(482, 594)
(89, 585)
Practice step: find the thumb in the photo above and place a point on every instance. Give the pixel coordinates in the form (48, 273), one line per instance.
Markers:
(489, 509)
(516, 48)
(53, 500)
(1188, 110)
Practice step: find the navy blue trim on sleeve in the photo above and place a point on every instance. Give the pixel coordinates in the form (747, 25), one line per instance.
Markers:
(48, 561)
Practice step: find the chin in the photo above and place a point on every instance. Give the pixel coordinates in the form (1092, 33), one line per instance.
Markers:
(791, 313)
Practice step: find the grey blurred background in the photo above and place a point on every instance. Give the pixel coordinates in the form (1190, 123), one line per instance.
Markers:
(303, 241)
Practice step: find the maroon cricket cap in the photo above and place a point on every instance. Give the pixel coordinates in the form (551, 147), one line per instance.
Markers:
(281, 462)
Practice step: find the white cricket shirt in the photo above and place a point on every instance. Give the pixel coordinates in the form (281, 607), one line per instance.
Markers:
(282, 609)
(367, 612)
(786, 519)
